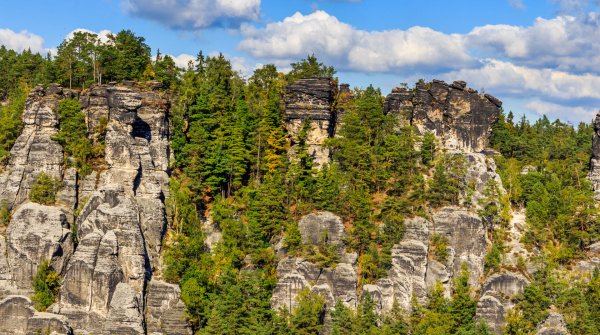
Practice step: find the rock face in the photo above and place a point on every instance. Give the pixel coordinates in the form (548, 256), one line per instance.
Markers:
(295, 273)
(120, 223)
(37, 233)
(321, 227)
(594, 175)
(312, 99)
(458, 115)
(554, 325)
(496, 298)
(34, 150)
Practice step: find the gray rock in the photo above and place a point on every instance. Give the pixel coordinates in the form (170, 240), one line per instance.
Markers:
(457, 114)
(34, 151)
(37, 233)
(554, 325)
(321, 227)
(165, 312)
(492, 311)
(125, 315)
(312, 99)
(15, 312)
(508, 284)
(48, 323)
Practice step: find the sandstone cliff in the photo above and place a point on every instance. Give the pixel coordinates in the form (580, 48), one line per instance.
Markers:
(110, 279)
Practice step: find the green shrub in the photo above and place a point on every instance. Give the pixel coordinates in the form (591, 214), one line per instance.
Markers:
(439, 244)
(73, 134)
(4, 214)
(493, 259)
(43, 191)
(45, 285)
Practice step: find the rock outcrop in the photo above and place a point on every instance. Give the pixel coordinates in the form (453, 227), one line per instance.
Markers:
(120, 222)
(458, 115)
(37, 233)
(296, 273)
(312, 99)
(496, 298)
(34, 150)
(554, 325)
(594, 175)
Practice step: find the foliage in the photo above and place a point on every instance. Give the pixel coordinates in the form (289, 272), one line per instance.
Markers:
(46, 284)
(43, 191)
(439, 246)
(73, 134)
(493, 258)
(309, 67)
(10, 118)
(561, 214)
(4, 213)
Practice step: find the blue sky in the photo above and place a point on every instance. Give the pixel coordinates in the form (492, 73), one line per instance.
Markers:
(538, 56)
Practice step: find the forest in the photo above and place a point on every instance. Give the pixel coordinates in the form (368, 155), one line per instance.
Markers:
(231, 165)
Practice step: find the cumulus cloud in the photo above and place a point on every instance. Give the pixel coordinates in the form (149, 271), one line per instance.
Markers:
(22, 40)
(183, 60)
(502, 77)
(565, 42)
(564, 112)
(195, 14)
(415, 49)
(102, 34)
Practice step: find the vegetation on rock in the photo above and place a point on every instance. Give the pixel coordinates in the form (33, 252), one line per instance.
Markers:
(46, 284)
(43, 191)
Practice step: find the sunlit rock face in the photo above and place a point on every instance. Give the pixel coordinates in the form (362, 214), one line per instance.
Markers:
(118, 211)
(311, 99)
(460, 116)
(594, 175)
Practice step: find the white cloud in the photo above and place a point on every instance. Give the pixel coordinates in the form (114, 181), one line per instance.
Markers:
(518, 4)
(499, 77)
(102, 34)
(565, 42)
(22, 40)
(195, 14)
(415, 49)
(183, 60)
(564, 112)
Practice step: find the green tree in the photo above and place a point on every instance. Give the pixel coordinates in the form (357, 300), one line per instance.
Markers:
(309, 67)
(46, 284)
(307, 318)
(73, 134)
(43, 191)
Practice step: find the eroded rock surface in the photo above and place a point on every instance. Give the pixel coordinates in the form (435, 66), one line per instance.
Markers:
(460, 116)
(496, 298)
(312, 99)
(594, 175)
(34, 150)
(37, 233)
(554, 325)
(121, 218)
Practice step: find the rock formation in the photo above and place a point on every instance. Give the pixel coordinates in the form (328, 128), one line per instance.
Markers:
(458, 115)
(312, 99)
(594, 175)
(120, 218)
(554, 325)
